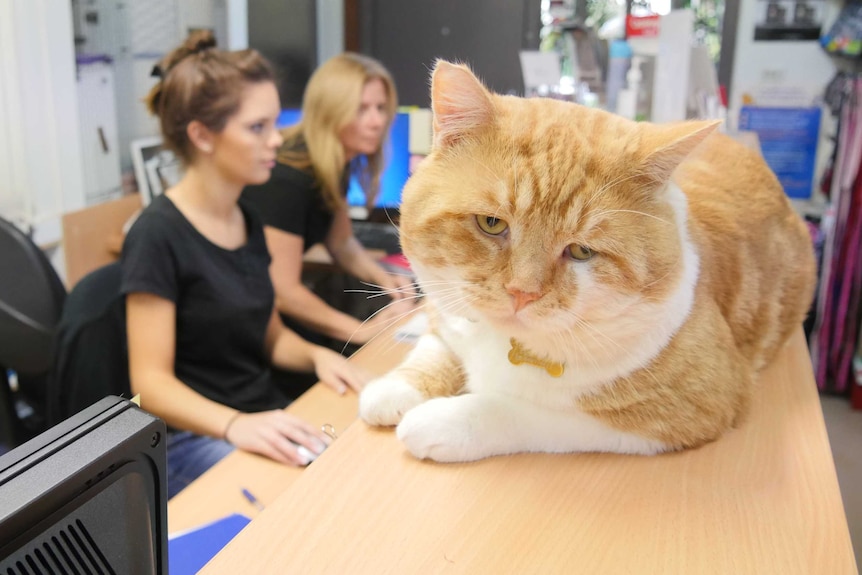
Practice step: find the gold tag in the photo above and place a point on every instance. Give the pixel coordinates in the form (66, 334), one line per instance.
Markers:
(519, 354)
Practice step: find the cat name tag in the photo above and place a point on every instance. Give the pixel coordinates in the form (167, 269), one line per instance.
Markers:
(519, 355)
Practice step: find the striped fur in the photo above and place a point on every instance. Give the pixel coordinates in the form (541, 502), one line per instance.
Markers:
(700, 271)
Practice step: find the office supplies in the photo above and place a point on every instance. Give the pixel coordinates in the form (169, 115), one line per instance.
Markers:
(190, 550)
(306, 453)
(252, 499)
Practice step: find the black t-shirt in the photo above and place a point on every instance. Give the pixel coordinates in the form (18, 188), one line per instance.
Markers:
(292, 201)
(224, 299)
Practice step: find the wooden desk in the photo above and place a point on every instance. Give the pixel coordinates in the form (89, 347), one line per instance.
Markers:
(764, 499)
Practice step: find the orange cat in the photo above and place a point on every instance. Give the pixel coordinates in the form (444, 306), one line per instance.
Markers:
(599, 284)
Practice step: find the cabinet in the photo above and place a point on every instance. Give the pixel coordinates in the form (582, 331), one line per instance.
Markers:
(97, 113)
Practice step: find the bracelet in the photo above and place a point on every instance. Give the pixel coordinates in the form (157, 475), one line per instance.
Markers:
(229, 423)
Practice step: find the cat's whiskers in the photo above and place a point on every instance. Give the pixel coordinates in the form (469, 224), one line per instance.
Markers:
(384, 288)
(447, 307)
(606, 212)
(389, 217)
(412, 291)
(598, 193)
(652, 283)
(592, 356)
(625, 351)
(478, 162)
(448, 304)
(577, 343)
(389, 323)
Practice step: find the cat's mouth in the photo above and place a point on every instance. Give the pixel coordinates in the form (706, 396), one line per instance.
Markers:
(508, 318)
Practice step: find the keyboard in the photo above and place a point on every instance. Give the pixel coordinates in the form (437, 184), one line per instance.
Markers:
(377, 236)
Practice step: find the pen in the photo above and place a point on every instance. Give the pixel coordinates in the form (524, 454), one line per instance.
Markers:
(252, 499)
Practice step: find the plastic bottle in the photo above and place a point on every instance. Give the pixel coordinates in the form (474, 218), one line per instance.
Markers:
(627, 99)
(633, 102)
(619, 61)
(643, 99)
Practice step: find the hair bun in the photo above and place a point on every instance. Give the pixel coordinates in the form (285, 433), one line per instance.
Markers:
(200, 40)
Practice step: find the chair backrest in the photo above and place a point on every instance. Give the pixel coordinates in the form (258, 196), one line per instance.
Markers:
(91, 354)
(31, 301)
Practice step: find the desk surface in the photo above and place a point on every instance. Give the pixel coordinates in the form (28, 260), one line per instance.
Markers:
(763, 499)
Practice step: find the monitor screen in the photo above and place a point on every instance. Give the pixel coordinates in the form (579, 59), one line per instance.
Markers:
(156, 168)
(396, 170)
(87, 496)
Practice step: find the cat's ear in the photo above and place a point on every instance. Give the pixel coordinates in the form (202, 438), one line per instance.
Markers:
(665, 146)
(460, 103)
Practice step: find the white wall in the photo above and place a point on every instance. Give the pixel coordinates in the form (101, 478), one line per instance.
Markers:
(330, 29)
(784, 63)
(40, 153)
(237, 24)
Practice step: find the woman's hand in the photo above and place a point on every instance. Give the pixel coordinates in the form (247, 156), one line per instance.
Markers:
(334, 370)
(405, 300)
(277, 435)
(399, 287)
(383, 319)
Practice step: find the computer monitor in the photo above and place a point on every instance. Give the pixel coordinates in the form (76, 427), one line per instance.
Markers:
(156, 168)
(87, 496)
(396, 171)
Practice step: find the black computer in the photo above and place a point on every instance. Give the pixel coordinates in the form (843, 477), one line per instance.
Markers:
(87, 496)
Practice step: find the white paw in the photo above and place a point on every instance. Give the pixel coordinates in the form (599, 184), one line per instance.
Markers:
(443, 429)
(384, 401)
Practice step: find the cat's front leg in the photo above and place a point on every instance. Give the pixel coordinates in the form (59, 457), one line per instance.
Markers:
(474, 426)
(429, 370)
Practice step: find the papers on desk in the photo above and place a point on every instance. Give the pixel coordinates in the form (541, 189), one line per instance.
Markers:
(189, 551)
(410, 331)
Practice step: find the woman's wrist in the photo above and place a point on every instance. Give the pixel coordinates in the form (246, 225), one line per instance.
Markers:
(316, 354)
(230, 423)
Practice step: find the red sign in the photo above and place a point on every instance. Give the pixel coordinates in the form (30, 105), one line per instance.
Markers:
(642, 26)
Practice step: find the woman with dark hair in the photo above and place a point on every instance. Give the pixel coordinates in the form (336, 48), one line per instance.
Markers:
(348, 106)
(202, 327)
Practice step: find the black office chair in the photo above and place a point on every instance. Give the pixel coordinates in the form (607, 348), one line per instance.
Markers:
(91, 358)
(31, 301)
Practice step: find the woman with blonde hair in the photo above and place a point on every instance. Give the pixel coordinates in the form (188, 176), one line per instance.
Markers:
(348, 107)
(201, 322)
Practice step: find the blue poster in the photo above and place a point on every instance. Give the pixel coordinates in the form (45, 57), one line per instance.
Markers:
(788, 142)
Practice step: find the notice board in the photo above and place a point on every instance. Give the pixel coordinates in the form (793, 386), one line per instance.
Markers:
(788, 141)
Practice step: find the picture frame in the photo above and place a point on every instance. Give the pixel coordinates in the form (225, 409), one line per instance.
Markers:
(156, 167)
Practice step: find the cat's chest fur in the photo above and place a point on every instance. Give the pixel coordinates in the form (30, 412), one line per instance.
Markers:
(484, 351)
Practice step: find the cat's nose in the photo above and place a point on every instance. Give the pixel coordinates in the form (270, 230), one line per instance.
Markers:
(522, 298)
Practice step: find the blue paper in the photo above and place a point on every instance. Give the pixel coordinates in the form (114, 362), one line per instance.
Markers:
(788, 142)
(189, 551)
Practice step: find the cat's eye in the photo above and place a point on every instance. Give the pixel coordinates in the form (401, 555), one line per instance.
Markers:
(491, 225)
(577, 252)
